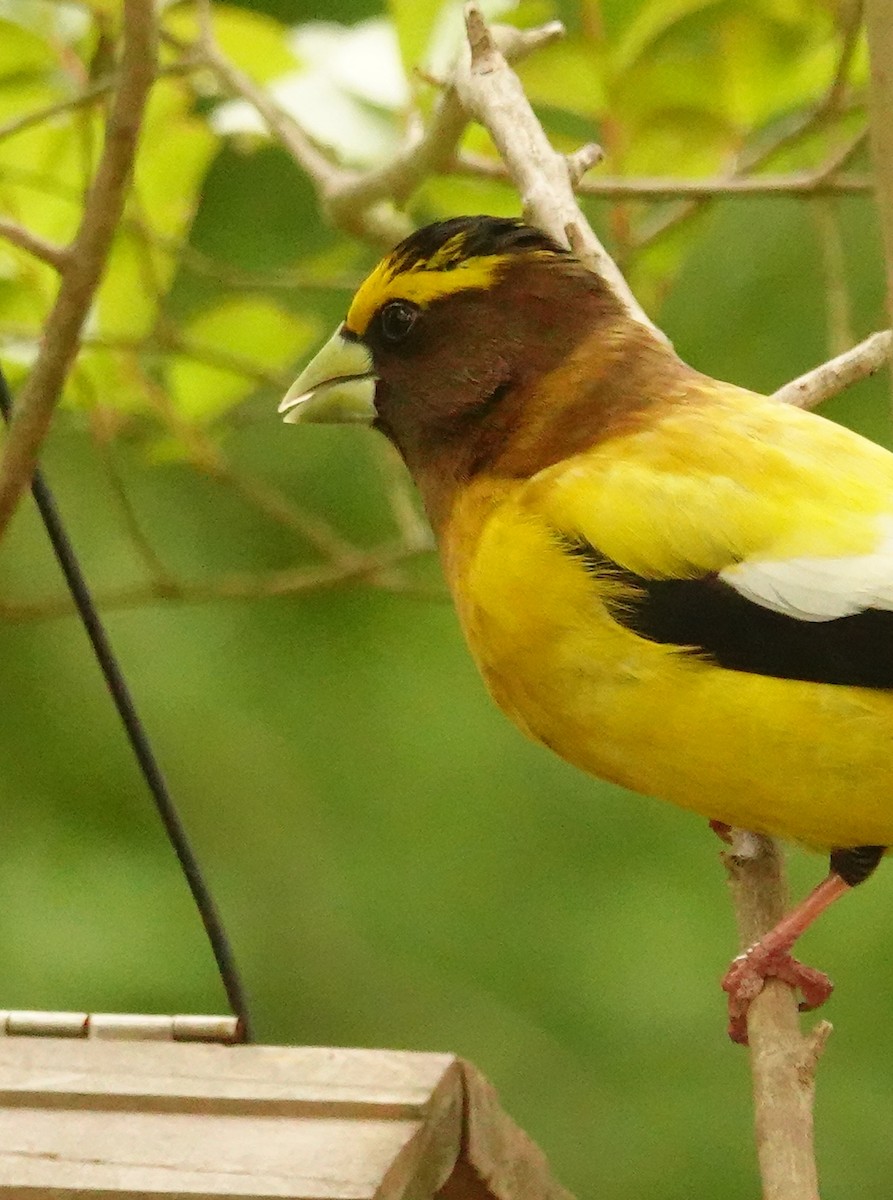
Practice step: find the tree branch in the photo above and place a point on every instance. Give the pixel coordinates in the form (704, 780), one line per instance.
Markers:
(89, 251)
(821, 383)
(429, 152)
(491, 91)
(90, 95)
(798, 184)
(350, 200)
(783, 1060)
(54, 256)
(373, 567)
(790, 134)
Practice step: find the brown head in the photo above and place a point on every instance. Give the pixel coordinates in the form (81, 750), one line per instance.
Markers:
(480, 345)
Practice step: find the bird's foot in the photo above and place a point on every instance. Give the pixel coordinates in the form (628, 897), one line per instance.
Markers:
(744, 981)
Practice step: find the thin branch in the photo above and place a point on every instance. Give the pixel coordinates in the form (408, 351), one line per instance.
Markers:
(783, 1060)
(139, 540)
(90, 95)
(170, 341)
(323, 173)
(89, 251)
(373, 567)
(314, 530)
(491, 91)
(351, 200)
(53, 255)
(826, 381)
(414, 530)
(821, 383)
(790, 134)
(429, 151)
(235, 278)
(798, 184)
(830, 105)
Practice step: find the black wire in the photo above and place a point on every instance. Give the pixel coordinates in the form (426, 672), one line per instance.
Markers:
(139, 742)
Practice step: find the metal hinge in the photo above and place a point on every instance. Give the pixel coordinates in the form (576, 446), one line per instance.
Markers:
(119, 1026)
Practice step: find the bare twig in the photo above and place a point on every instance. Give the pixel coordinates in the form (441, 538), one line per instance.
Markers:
(790, 134)
(374, 567)
(429, 151)
(90, 95)
(414, 530)
(323, 173)
(830, 104)
(492, 92)
(783, 1061)
(171, 341)
(314, 530)
(102, 211)
(360, 203)
(48, 252)
(820, 384)
(798, 184)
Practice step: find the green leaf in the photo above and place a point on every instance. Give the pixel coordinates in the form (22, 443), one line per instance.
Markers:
(346, 94)
(414, 22)
(651, 22)
(568, 74)
(112, 384)
(175, 150)
(257, 44)
(255, 332)
(51, 20)
(454, 195)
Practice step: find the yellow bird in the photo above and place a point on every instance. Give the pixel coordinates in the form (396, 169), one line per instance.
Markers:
(675, 584)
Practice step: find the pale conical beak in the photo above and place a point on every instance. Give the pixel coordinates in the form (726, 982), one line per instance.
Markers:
(337, 386)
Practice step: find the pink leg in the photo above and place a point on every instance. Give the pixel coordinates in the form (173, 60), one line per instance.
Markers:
(770, 958)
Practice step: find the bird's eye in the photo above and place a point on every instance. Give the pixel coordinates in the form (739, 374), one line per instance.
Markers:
(396, 319)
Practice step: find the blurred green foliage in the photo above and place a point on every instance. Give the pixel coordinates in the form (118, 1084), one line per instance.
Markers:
(397, 865)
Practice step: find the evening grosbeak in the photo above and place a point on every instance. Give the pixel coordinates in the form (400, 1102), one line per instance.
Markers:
(676, 584)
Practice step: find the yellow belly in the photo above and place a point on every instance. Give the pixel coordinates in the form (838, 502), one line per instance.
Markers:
(806, 761)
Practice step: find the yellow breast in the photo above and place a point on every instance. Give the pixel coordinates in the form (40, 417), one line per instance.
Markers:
(807, 761)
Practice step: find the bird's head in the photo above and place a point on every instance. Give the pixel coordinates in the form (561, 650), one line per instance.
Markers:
(473, 346)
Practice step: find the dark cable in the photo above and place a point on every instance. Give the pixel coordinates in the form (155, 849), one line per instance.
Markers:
(139, 742)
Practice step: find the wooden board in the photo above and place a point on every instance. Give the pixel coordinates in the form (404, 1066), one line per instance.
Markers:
(120, 1119)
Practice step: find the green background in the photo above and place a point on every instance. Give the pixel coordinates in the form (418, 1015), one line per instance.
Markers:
(396, 864)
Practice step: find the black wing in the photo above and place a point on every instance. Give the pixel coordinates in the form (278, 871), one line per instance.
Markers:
(707, 617)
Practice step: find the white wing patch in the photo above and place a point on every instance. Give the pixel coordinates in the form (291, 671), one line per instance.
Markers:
(819, 589)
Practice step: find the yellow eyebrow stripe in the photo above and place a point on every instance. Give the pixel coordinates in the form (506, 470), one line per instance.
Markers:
(441, 275)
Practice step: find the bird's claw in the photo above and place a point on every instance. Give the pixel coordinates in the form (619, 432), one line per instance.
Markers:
(744, 981)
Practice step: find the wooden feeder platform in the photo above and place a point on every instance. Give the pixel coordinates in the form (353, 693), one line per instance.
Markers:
(114, 1107)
